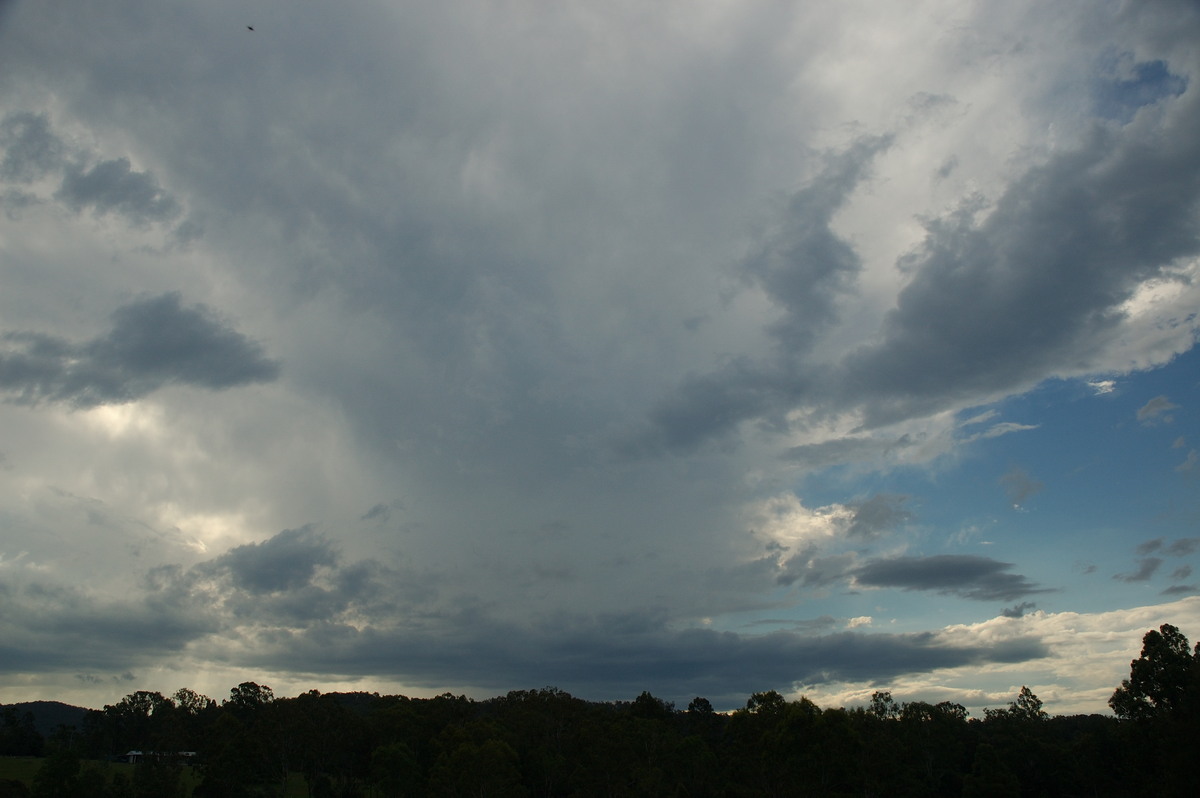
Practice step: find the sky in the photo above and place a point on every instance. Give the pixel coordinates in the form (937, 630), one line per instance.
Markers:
(700, 347)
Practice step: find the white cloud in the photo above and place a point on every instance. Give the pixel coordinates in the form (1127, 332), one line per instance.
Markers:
(1089, 655)
(784, 520)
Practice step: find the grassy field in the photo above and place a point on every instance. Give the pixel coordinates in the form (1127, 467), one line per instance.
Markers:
(23, 768)
(20, 768)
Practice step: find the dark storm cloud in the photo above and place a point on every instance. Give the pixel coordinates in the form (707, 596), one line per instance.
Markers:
(999, 298)
(47, 627)
(287, 561)
(713, 405)
(153, 342)
(296, 591)
(295, 577)
(113, 186)
(999, 302)
(32, 151)
(968, 576)
(618, 656)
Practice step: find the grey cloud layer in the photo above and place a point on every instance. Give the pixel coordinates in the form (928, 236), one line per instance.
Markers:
(494, 245)
(153, 342)
(31, 149)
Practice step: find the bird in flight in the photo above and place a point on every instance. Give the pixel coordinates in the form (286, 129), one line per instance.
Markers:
(249, 27)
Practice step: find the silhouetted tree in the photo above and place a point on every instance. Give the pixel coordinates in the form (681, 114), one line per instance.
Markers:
(18, 735)
(990, 777)
(1164, 680)
(883, 706)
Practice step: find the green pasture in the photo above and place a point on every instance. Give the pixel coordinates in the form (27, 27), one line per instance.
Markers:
(23, 769)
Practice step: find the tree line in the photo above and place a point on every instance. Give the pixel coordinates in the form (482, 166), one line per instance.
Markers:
(547, 742)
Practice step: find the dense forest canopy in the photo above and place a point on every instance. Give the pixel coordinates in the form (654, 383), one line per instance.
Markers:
(547, 742)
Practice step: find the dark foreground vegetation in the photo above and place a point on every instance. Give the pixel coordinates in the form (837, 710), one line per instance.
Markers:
(549, 743)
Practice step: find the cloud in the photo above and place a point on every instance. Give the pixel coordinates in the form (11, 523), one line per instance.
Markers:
(1000, 295)
(1150, 546)
(968, 576)
(1129, 86)
(112, 186)
(1019, 486)
(1002, 298)
(1156, 411)
(804, 267)
(496, 247)
(1146, 568)
(810, 570)
(612, 657)
(996, 430)
(55, 628)
(1019, 610)
(838, 451)
(878, 515)
(153, 342)
(1086, 657)
(380, 512)
(287, 561)
(1183, 547)
(33, 152)
(244, 605)
(31, 149)
(295, 578)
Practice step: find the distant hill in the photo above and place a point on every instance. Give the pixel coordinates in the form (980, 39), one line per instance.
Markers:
(49, 715)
